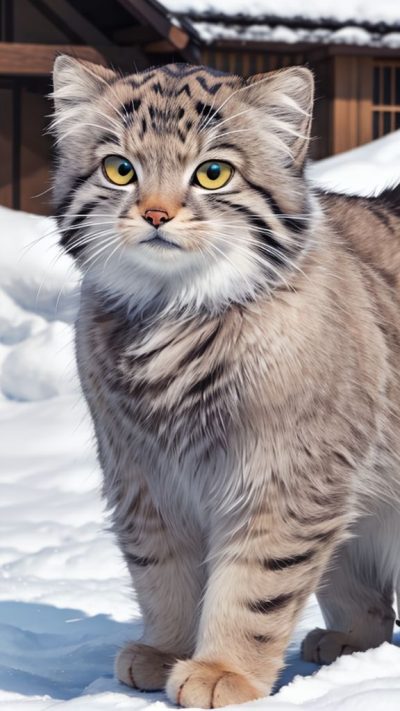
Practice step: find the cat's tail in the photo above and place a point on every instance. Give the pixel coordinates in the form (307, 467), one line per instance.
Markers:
(390, 199)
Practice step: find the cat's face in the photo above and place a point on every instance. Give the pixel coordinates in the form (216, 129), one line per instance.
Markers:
(181, 181)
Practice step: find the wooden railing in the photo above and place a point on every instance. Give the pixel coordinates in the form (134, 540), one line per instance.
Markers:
(385, 97)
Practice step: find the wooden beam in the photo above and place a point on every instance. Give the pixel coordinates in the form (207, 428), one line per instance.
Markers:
(137, 34)
(160, 47)
(312, 48)
(154, 14)
(366, 51)
(151, 14)
(37, 59)
(71, 22)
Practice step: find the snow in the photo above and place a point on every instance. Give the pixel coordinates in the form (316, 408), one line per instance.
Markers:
(364, 171)
(65, 599)
(340, 11)
(342, 22)
(212, 31)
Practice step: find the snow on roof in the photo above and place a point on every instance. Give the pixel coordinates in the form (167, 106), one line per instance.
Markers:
(318, 11)
(210, 32)
(355, 22)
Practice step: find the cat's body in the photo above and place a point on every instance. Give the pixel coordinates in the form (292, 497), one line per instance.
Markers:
(246, 413)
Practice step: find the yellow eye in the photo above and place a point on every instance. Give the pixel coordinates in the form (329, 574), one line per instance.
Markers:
(118, 170)
(213, 174)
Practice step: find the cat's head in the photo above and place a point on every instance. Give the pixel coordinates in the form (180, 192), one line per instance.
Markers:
(182, 181)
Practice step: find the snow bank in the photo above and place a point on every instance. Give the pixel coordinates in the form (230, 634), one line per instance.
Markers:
(366, 170)
(39, 295)
(65, 599)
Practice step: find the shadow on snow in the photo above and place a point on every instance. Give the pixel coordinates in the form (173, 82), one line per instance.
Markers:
(63, 653)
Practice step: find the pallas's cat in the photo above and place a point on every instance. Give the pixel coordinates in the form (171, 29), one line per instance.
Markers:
(238, 344)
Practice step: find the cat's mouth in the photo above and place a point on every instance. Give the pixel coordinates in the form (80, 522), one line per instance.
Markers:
(158, 241)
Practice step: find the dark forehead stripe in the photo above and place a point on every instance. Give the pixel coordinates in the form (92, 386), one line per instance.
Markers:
(157, 88)
(164, 120)
(210, 89)
(169, 92)
(185, 70)
(205, 111)
(179, 70)
(143, 129)
(129, 107)
(164, 116)
(137, 83)
(185, 89)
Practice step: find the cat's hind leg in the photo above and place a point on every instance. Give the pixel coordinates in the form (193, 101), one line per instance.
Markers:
(356, 596)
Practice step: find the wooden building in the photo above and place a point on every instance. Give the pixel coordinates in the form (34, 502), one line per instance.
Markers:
(356, 61)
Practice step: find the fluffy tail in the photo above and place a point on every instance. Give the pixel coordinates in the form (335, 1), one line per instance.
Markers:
(390, 198)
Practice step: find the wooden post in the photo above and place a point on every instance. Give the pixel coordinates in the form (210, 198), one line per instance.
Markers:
(352, 118)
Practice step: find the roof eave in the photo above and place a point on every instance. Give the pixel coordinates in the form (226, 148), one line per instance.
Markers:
(288, 48)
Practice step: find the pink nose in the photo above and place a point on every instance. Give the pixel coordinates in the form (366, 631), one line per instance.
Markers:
(156, 217)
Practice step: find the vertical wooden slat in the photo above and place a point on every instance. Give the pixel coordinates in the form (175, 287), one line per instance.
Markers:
(365, 79)
(344, 104)
(384, 104)
(392, 76)
(6, 146)
(7, 21)
(352, 103)
(16, 146)
(246, 64)
(393, 93)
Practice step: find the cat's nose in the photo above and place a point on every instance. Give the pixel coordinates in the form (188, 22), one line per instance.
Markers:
(156, 216)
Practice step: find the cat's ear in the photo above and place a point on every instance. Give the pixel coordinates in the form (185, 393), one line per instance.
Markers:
(286, 99)
(76, 80)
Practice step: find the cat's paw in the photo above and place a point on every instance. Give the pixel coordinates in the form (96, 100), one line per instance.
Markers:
(143, 667)
(324, 646)
(208, 685)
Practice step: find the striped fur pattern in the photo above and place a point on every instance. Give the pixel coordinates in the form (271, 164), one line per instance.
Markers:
(243, 384)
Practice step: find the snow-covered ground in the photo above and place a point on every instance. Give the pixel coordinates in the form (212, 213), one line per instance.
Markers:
(364, 171)
(65, 601)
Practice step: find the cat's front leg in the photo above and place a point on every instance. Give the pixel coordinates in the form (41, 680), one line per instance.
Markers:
(257, 585)
(168, 578)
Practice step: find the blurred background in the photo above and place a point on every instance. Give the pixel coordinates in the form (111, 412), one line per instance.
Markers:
(353, 47)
